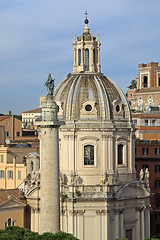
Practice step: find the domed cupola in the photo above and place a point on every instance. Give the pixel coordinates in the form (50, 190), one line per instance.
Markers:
(87, 93)
(86, 52)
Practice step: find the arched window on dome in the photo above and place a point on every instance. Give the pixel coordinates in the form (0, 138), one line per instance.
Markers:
(88, 155)
(87, 59)
(120, 154)
(93, 56)
(145, 81)
(79, 57)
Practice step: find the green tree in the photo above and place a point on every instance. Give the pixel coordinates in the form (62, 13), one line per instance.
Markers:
(133, 84)
(17, 233)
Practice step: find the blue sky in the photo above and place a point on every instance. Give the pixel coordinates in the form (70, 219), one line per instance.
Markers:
(37, 36)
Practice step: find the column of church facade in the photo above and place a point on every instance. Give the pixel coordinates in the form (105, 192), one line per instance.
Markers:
(75, 56)
(147, 220)
(116, 223)
(110, 154)
(121, 224)
(104, 153)
(91, 65)
(80, 224)
(71, 221)
(64, 220)
(71, 153)
(36, 228)
(32, 219)
(138, 223)
(82, 58)
(104, 224)
(108, 225)
(142, 222)
(75, 230)
(98, 225)
(65, 149)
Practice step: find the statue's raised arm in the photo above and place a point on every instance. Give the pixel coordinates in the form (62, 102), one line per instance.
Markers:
(50, 84)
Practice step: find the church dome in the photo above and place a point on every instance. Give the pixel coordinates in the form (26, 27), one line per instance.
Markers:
(87, 93)
(90, 96)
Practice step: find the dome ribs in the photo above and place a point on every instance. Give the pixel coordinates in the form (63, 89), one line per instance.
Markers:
(113, 94)
(78, 89)
(70, 98)
(106, 100)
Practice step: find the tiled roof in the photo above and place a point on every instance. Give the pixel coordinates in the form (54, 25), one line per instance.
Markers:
(146, 115)
(148, 90)
(37, 110)
(3, 117)
(19, 153)
(15, 194)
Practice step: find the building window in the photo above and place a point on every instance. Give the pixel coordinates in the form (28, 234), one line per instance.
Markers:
(93, 56)
(144, 150)
(145, 166)
(146, 122)
(158, 228)
(17, 134)
(10, 174)
(157, 217)
(145, 81)
(10, 222)
(157, 150)
(89, 155)
(120, 154)
(159, 82)
(157, 169)
(158, 202)
(7, 134)
(87, 59)
(157, 183)
(135, 121)
(1, 174)
(135, 150)
(153, 122)
(79, 57)
(7, 124)
(2, 158)
(19, 175)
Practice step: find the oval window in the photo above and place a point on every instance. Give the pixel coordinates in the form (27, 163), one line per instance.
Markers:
(117, 108)
(88, 107)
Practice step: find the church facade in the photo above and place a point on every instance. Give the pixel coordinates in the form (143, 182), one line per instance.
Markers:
(100, 197)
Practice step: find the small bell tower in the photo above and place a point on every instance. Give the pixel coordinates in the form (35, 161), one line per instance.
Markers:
(86, 52)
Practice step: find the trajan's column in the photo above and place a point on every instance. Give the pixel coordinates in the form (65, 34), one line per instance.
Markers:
(49, 163)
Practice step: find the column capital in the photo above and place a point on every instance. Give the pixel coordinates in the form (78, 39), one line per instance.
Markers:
(80, 212)
(98, 212)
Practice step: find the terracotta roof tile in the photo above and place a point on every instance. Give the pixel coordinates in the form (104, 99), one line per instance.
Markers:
(148, 90)
(16, 194)
(37, 110)
(3, 117)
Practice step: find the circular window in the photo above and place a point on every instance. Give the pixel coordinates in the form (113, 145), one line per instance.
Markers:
(88, 107)
(117, 108)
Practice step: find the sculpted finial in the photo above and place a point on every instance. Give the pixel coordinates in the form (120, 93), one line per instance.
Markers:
(86, 20)
(50, 84)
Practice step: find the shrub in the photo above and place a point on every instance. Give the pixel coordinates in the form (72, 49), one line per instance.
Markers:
(17, 233)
